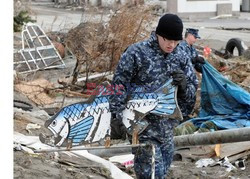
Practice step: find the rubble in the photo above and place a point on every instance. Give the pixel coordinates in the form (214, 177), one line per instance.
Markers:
(92, 50)
(98, 46)
(37, 52)
(36, 91)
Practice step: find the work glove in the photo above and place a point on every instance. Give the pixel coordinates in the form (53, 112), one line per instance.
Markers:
(118, 129)
(198, 62)
(179, 79)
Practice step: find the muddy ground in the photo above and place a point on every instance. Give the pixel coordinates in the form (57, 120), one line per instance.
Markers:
(45, 166)
(60, 165)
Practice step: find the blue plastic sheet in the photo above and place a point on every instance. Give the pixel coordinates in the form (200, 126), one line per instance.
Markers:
(224, 103)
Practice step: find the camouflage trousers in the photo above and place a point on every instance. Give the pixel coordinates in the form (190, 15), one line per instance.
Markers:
(160, 134)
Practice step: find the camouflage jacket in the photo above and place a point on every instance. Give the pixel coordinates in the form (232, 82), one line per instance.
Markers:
(144, 64)
(189, 50)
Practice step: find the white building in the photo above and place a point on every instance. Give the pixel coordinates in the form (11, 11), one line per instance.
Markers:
(203, 8)
(184, 8)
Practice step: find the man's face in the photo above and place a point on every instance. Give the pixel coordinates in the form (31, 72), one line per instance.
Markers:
(166, 45)
(191, 39)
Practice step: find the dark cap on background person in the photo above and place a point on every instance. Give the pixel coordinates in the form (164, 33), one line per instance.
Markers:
(194, 32)
(170, 26)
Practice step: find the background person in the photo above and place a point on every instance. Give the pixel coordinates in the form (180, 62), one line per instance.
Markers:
(187, 46)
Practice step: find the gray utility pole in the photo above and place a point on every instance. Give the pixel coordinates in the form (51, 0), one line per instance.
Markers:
(206, 138)
(216, 137)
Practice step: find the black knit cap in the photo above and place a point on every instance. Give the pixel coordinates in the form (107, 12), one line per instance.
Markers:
(170, 26)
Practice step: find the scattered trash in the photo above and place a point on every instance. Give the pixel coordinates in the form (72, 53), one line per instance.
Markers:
(207, 51)
(235, 43)
(17, 146)
(102, 49)
(226, 163)
(37, 52)
(217, 149)
(108, 75)
(204, 162)
(125, 160)
(32, 126)
(33, 142)
(23, 105)
(240, 164)
(211, 162)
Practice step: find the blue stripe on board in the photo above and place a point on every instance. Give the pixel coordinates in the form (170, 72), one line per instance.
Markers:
(85, 128)
(160, 112)
(81, 136)
(83, 123)
(171, 90)
(78, 140)
(81, 129)
(167, 101)
(169, 95)
(164, 111)
(167, 106)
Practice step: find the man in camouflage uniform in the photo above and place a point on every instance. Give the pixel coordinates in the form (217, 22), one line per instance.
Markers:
(187, 46)
(151, 63)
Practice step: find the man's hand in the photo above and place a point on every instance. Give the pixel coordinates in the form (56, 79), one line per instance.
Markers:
(179, 79)
(118, 129)
(198, 62)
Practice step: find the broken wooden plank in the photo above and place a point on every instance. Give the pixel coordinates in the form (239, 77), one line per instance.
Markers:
(238, 156)
(234, 148)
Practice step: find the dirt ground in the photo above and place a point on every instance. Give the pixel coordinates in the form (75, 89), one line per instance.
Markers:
(60, 165)
(185, 169)
(46, 166)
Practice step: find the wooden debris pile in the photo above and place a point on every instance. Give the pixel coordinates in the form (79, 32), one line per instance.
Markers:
(239, 73)
(98, 46)
(88, 42)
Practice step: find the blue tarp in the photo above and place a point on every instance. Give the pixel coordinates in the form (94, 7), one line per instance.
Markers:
(224, 103)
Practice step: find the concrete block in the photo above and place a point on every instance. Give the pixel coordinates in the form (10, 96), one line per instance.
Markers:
(225, 8)
(172, 6)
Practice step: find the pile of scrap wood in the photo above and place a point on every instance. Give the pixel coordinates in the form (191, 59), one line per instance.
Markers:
(98, 46)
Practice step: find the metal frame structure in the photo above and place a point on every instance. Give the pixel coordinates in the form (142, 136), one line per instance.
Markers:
(37, 52)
